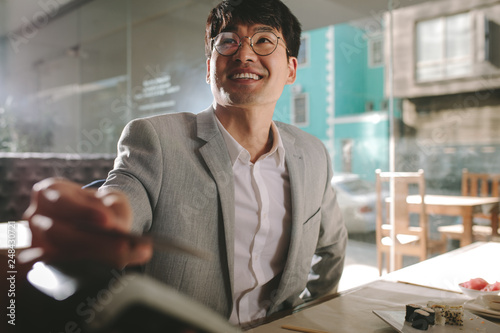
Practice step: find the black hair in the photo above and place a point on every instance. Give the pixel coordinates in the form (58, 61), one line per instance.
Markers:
(273, 13)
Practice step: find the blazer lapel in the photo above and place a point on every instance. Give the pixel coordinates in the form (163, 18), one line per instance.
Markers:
(216, 156)
(295, 164)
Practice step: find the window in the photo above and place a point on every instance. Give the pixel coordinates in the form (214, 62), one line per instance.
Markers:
(384, 105)
(444, 48)
(347, 145)
(303, 56)
(369, 106)
(376, 52)
(300, 112)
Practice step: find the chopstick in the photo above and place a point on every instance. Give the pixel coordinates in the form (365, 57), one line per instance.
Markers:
(301, 329)
(429, 287)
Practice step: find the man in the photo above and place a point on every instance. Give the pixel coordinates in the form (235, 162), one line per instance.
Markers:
(254, 193)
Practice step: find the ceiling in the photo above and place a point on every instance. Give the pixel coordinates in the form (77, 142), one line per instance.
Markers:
(14, 14)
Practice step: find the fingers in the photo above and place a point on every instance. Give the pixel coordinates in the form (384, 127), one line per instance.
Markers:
(118, 205)
(66, 202)
(81, 244)
(62, 215)
(63, 242)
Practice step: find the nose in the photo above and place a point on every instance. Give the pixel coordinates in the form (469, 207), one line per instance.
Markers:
(245, 51)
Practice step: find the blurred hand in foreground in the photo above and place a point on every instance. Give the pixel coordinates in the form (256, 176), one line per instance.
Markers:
(62, 217)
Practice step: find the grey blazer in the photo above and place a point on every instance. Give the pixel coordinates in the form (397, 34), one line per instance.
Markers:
(177, 173)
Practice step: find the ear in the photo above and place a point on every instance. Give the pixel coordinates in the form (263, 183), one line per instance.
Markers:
(292, 70)
(208, 71)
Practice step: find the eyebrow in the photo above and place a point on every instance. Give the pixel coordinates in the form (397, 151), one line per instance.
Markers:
(262, 28)
(265, 28)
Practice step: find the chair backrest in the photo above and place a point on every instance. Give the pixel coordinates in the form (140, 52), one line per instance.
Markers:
(480, 184)
(404, 185)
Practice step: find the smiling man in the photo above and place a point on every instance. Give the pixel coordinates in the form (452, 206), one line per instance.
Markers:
(229, 180)
(247, 75)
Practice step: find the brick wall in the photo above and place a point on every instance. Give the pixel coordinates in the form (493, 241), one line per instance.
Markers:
(20, 171)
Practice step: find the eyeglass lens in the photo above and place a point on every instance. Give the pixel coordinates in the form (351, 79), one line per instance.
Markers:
(262, 43)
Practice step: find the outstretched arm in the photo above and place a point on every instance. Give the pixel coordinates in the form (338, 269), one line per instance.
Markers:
(63, 219)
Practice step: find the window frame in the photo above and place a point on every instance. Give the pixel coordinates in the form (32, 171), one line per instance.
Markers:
(371, 62)
(444, 61)
(307, 51)
(295, 97)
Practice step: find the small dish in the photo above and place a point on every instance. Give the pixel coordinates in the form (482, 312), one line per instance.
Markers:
(491, 301)
(472, 293)
(477, 307)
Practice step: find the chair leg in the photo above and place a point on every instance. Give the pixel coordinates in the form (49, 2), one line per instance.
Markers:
(399, 262)
(444, 240)
(423, 257)
(444, 245)
(379, 262)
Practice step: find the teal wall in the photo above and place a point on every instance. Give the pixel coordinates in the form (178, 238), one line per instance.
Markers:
(370, 146)
(312, 78)
(374, 86)
(350, 71)
(355, 84)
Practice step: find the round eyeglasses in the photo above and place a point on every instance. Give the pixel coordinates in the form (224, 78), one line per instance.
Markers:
(262, 43)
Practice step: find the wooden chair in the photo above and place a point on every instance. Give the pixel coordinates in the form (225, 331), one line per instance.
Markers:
(409, 240)
(476, 185)
(480, 184)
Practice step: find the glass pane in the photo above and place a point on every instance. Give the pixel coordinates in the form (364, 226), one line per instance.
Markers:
(458, 35)
(71, 86)
(430, 40)
(168, 66)
(39, 83)
(103, 61)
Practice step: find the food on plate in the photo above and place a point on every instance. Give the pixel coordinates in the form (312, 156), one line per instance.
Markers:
(492, 287)
(410, 308)
(432, 315)
(421, 317)
(481, 284)
(439, 317)
(476, 284)
(449, 314)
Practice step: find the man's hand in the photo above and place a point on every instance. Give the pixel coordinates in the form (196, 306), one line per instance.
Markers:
(62, 216)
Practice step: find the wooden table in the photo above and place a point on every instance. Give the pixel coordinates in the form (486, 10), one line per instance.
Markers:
(432, 279)
(446, 271)
(459, 206)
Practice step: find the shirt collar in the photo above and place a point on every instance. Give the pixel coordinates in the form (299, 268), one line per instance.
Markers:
(237, 151)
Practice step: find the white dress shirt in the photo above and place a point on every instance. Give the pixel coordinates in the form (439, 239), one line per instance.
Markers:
(262, 226)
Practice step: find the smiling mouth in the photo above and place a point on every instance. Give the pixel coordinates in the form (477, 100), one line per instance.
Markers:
(247, 76)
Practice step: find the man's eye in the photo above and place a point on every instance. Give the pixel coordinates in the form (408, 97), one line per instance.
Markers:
(263, 40)
(228, 41)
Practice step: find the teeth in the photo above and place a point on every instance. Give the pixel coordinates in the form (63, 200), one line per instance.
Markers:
(246, 76)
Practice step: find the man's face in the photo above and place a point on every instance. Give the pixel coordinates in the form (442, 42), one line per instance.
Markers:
(246, 79)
